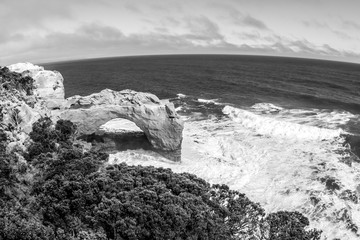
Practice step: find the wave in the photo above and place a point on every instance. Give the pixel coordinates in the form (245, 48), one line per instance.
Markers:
(323, 118)
(180, 95)
(208, 101)
(194, 108)
(274, 127)
(266, 107)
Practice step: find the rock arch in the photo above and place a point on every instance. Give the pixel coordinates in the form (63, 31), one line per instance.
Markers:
(156, 118)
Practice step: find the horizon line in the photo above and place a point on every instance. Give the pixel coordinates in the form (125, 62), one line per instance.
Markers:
(193, 54)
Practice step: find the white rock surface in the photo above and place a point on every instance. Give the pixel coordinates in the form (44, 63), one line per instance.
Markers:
(120, 125)
(49, 84)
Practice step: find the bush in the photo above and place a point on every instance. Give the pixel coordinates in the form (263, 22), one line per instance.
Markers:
(10, 81)
(49, 138)
(18, 224)
(290, 225)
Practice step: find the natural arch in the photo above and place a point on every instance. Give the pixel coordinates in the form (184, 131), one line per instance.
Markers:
(157, 119)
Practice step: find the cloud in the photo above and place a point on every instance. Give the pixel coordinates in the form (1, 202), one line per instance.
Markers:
(247, 20)
(344, 35)
(202, 28)
(99, 32)
(132, 7)
(99, 40)
(274, 44)
(19, 15)
(315, 24)
(252, 36)
(171, 21)
(336, 29)
(4, 37)
(96, 40)
(253, 22)
(306, 48)
(350, 24)
(87, 37)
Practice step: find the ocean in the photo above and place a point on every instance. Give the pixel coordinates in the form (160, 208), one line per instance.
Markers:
(284, 131)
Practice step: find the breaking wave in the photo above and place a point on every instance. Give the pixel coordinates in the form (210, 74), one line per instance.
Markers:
(274, 127)
(213, 101)
(331, 119)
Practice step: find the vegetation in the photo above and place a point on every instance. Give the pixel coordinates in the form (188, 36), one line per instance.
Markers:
(75, 195)
(10, 81)
(47, 139)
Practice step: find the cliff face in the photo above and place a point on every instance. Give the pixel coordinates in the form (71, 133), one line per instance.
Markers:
(156, 118)
(49, 86)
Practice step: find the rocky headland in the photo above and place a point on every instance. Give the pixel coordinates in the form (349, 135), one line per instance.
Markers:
(44, 96)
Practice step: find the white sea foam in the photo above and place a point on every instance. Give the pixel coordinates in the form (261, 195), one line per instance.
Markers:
(264, 158)
(311, 117)
(180, 95)
(317, 117)
(179, 108)
(266, 107)
(273, 127)
(213, 101)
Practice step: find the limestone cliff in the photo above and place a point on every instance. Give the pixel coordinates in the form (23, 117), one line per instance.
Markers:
(48, 85)
(156, 118)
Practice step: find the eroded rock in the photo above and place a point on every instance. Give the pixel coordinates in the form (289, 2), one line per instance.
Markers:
(49, 85)
(156, 118)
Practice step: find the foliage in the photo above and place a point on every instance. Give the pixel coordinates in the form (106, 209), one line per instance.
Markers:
(290, 225)
(47, 138)
(243, 217)
(18, 224)
(10, 81)
(8, 172)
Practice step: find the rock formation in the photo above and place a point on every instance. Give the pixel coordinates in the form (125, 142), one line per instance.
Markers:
(49, 85)
(156, 118)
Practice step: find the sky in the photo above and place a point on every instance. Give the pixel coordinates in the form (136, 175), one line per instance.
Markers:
(42, 31)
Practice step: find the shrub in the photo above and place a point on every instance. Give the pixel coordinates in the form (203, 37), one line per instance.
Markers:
(290, 225)
(10, 81)
(49, 138)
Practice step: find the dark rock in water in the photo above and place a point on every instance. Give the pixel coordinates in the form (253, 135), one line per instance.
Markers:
(314, 200)
(350, 196)
(330, 183)
(354, 142)
(346, 217)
